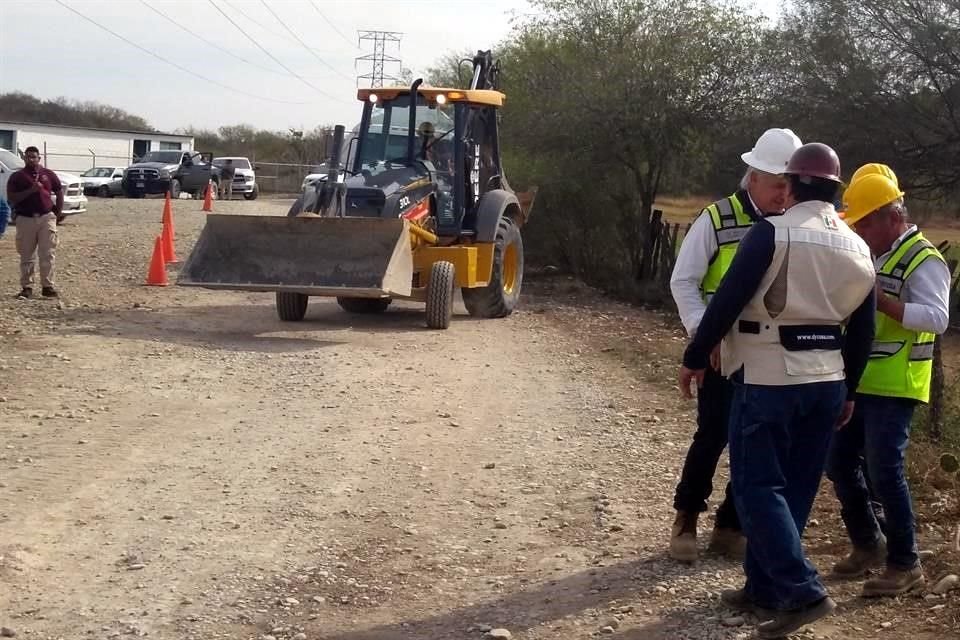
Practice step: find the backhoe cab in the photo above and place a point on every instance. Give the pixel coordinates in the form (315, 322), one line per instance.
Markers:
(421, 206)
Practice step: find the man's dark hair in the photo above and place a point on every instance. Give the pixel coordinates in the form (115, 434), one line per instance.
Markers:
(805, 188)
(33, 149)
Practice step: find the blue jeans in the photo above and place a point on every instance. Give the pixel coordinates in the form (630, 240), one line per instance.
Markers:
(779, 437)
(4, 215)
(877, 437)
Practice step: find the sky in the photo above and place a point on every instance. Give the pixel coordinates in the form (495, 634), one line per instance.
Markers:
(48, 51)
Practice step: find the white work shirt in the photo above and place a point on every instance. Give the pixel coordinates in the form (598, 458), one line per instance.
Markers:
(925, 294)
(693, 261)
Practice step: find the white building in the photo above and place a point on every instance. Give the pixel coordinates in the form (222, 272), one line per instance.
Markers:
(76, 149)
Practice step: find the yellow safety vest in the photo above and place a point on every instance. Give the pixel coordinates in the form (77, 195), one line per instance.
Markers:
(730, 224)
(901, 361)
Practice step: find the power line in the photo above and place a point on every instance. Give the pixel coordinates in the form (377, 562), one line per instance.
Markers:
(171, 63)
(270, 55)
(236, 7)
(329, 22)
(302, 43)
(208, 42)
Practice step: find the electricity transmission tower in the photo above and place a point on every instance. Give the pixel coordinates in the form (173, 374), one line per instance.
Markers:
(378, 57)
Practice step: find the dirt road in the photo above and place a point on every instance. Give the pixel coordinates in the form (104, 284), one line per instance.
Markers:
(177, 463)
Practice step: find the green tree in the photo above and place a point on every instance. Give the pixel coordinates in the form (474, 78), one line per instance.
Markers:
(880, 80)
(610, 101)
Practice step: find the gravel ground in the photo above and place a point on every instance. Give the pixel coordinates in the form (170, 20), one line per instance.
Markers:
(177, 463)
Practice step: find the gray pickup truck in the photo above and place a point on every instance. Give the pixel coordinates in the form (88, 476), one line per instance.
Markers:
(176, 171)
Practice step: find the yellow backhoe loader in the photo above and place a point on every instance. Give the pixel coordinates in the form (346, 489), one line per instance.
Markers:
(422, 208)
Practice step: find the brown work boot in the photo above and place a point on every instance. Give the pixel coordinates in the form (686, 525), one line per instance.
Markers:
(683, 539)
(787, 622)
(860, 561)
(728, 542)
(894, 582)
(738, 600)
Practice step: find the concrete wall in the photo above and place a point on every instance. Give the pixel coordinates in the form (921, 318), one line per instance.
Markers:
(68, 148)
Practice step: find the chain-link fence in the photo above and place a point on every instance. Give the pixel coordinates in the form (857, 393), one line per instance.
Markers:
(279, 178)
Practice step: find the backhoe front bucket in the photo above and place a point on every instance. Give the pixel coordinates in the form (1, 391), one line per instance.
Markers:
(351, 257)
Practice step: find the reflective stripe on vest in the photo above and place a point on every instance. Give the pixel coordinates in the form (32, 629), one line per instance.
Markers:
(730, 224)
(901, 360)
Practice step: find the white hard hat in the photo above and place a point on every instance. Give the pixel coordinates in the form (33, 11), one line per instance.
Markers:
(772, 151)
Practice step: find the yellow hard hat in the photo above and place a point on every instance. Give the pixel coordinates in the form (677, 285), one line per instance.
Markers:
(875, 167)
(866, 194)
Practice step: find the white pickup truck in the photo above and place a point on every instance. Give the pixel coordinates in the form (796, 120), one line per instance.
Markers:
(73, 199)
(244, 177)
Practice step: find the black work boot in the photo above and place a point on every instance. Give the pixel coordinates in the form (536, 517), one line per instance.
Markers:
(787, 622)
(25, 293)
(49, 292)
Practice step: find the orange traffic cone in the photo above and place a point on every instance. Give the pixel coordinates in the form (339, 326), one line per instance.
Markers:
(157, 275)
(168, 211)
(208, 199)
(168, 233)
(166, 240)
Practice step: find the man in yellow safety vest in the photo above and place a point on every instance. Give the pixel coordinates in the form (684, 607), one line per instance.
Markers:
(913, 288)
(705, 255)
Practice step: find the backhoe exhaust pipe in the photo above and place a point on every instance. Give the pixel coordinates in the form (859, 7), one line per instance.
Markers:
(411, 130)
(334, 175)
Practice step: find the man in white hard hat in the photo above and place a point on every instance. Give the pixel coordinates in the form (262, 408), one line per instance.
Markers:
(705, 256)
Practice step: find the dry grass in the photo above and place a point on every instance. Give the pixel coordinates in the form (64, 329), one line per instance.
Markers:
(683, 209)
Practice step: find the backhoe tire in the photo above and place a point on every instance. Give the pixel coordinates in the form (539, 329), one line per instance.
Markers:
(364, 305)
(292, 307)
(499, 298)
(295, 208)
(440, 290)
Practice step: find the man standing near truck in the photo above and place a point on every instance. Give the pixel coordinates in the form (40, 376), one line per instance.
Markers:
(705, 255)
(227, 171)
(36, 195)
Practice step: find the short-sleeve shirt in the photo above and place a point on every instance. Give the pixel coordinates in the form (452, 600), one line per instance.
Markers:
(41, 201)
(228, 171)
